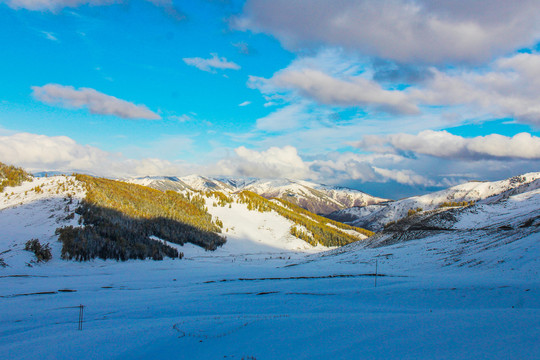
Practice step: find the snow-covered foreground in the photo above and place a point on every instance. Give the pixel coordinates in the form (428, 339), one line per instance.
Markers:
(236, 307)
(456, 294)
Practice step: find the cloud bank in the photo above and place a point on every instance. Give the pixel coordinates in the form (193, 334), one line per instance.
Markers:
(507, 87)
(405, 31)
(61, 153)
(445, 145)
(95, 101)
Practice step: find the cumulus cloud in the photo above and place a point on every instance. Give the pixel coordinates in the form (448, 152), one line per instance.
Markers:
(245, 103)
(354, 91)
(445, 145)
(212, 63)
(95, 101)
(61, 153)
(271, 163)
(406, 31)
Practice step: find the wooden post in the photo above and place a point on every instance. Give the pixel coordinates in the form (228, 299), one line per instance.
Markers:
(81, 316)
(376, 270)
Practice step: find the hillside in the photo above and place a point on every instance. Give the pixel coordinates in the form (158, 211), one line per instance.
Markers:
(122, 221)
(375, 217)
(107, 219)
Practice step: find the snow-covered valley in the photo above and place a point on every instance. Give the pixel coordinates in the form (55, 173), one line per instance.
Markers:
(467, 290)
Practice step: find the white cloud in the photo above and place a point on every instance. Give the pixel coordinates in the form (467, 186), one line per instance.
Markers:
(56, 6)
(245, 103)
(510, 88)
(406, 31)
(95, 101)
(49, 35)
(445, 145)
(182, 118)
(333, 168)
(212, 63)
(339, 167)
(271, 163)
(407, 177)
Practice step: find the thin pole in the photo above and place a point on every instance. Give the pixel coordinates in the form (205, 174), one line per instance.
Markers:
(376, 270)
(81, 316)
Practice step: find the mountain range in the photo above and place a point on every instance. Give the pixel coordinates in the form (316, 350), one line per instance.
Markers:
(375, 217)
(316, 198)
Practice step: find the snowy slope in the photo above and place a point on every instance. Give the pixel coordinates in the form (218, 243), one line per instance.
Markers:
(502, 235)
(26, 214)
(250, 232)
(374, 217)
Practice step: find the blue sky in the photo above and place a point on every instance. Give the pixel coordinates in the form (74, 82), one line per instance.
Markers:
(394, 99)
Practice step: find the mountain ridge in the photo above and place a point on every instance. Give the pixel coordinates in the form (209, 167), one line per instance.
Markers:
(375, 217)
(316, 198)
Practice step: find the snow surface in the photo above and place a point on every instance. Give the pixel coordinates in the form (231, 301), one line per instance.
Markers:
(264, 301)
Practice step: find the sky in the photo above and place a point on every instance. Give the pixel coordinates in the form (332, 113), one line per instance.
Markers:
(392, 97)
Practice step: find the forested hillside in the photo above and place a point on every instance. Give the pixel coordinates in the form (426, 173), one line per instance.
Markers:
(122, 221)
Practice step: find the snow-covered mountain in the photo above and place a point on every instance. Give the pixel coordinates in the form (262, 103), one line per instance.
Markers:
(374, 217)
(500, 233)
(316, 198)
